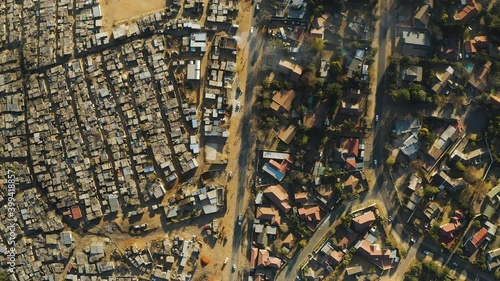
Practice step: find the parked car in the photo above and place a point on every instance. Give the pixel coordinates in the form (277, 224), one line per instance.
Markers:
(376, 118)
(234, 267)
(426, 253)
(251, 30)
(375, 163)
(240, 219)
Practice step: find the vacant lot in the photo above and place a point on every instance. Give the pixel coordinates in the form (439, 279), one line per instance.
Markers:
(114, 11)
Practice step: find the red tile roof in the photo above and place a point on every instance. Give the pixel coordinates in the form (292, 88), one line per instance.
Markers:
(350, 163)
(351, 145)
(479, 237)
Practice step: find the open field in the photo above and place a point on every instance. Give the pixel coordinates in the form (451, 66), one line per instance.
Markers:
(114, 11)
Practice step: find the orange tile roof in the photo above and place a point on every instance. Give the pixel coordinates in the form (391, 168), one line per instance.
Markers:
(364, 221)
(310, 213)
(284, 99)
(351, 145)
(279, 196)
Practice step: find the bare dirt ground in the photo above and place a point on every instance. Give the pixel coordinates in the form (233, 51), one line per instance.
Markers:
(115, 11)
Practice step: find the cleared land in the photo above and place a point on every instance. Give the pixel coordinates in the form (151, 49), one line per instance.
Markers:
(115, 11)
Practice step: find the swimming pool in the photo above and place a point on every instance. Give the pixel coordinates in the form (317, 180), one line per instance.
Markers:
(469, 67)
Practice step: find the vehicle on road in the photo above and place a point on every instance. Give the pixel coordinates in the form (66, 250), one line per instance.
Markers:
(234, 267)
(426, 253)
(412, 240)
(240, 219)
(455, 264)
(376, 118)
(257, 7)
(390, 218)
(251, 30)
(375, 163)
(230, 174)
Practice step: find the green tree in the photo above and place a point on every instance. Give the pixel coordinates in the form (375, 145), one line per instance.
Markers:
(430, 191)
(4, 276)
(390, 161)
(460, 166)
(318, 45)
(335, 67)
(444, 17)
(333, 90)
(401, 95)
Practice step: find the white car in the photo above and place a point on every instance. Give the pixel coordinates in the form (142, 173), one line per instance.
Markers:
(376, 118)
(251, 30)
(240, 219)
(375, 163)
(426, 253)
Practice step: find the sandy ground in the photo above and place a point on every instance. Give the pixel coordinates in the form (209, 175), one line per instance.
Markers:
(114, 11)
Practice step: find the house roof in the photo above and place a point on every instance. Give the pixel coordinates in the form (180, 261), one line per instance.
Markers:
(467, 12)
(301, 197)
(495, 99)
(480, 79)
(279, 196)
(449, 227)
(412, 74)
(310, 213)
(351, 146)
(352, 182)
(364, 221)
(289, 240)
(284, 99)
(350, 163)
(254, 253)
(264, 260)
(416, 38)
(423, 15)
(268, 213)
(494, 193)
(290, 66)
(288, 134)
(477, 239)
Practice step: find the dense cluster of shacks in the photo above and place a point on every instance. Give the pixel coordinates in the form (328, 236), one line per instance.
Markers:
(89, 130)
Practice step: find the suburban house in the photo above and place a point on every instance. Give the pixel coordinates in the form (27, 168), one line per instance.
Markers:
(432, 211)
(472, 157)
(404, 126)
(356, 63)
(355, 270)
(329, 256)
(449, 183)
(493, 259)
(416, 43)
(289, 241)
(282, 101)
(422, 17)
(467, 12)
(350, 108)
(443, 79)
(279, 196)
(448, 230)
(383, 258)
(494, 194)
(260, 258)
(477, 44)
(288, 134)
(301, 197)
(350, 184)
(311, 214)
(479, 80)
(415, 182)
(474, 242)
(412, 74)
(410, 147)
(350, 150)
(270, 214)
(445, 140)
(296, 9)
(276, 163)
(291, 70)
(364, 221)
